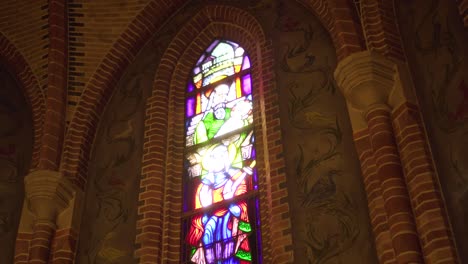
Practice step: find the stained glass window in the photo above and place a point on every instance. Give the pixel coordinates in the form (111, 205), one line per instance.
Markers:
(221, 223)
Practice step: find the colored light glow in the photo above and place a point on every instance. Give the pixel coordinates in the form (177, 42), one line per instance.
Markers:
(255, 180)
(198, 107)
(244, 255)
(246, 84)
(201, 59)
(211, 47)
(246, 64)
(238, 88)
(237, 68)
(190, 106)
(219, 170)
(239, 52)
(190, 87)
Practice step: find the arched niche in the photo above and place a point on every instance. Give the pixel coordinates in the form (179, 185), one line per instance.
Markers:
(16, 140)
(329, 213)
(108, 222)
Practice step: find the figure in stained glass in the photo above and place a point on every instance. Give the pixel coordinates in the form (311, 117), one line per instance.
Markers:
(221, 159)
(218, 231)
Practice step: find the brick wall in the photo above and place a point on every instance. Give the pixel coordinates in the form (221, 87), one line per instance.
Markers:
(54, 120)
(338, 18)
(18, 66)
(160, 188)
(380, 29)
(377, 213)
(83, 125)
(23, 47)
(94, 28)
(24, 23)
(104, 38)
(428, 206)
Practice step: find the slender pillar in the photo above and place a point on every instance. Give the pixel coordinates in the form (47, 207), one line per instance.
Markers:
(47, 194)
(377, 213)
(382, 35)
(367, 80)
(405, 239)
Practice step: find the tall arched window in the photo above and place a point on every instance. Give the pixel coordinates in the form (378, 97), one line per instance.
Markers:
(221, 222)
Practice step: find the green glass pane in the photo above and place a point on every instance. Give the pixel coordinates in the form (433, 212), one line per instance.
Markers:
(245, 227)
(244, 255)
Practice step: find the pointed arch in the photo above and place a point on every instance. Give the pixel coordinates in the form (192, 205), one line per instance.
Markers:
(18, 66)
(160, 202)
(83, 125)
(338, 18)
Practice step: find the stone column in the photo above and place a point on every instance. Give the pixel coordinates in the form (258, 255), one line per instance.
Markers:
(47, 195)
(367, 80)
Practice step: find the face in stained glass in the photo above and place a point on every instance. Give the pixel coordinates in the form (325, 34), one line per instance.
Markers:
(220, 157)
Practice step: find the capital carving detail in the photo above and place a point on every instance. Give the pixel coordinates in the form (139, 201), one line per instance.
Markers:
(366, 79)
(48, 193)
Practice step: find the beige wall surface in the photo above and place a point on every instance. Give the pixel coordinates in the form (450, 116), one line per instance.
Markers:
(329, 208)
(437, 51)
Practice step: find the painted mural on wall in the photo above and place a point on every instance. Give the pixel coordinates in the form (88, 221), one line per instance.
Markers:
(436, 46)
(329, 208)
(15, 157)
(330, 218)
(109, 222)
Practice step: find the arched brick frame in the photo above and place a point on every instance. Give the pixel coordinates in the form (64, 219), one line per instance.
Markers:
(346, 36)
(83, 125)
(160, 199)
(54, 120)
(31, 90)
(381, 29)
(337, 17)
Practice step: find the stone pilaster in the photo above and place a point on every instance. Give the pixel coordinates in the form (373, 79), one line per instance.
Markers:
(47, 195)
(367, 80)
(396, 161)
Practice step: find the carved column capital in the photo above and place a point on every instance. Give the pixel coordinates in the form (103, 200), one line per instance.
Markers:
(366, 79)
(48, 193)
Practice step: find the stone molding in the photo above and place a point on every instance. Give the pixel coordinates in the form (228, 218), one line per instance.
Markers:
(369, 80)
(385, 119)
(48, 194)
(366, 79)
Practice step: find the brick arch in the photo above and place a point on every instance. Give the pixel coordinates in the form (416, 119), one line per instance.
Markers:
(83, 125)
(18, 66)
(82, 128)
(160, 196)
(337, 18)
(380, 28)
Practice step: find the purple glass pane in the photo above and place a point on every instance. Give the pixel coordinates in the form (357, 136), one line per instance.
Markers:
(255, 180)
(200, 60)
(246, 63)
(212, 46)
(190, 106)
(190, 87)
(246, 84)
(235, 45)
